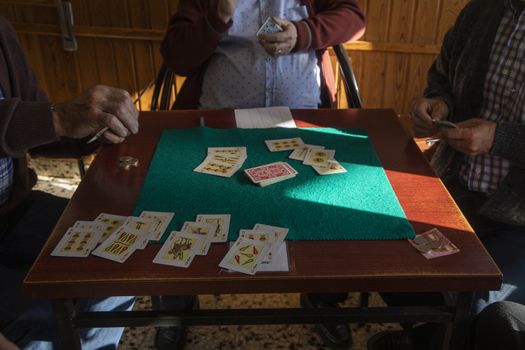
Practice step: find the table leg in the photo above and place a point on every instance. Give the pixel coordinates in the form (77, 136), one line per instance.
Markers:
(458, 331)
(68, 335)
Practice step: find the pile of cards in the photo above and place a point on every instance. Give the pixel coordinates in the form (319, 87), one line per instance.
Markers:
(194, 238)
(222, 161)
(254, 248)
(269, 174)
(320, 159)
(433, 244)
(118, 236)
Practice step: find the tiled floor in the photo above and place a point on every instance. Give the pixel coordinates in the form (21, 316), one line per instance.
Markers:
(61, 178)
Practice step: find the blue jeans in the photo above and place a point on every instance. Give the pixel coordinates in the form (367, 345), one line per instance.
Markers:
(30, 323)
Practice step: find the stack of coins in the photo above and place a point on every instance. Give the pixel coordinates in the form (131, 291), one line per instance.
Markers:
(426, 244)
(127, 162)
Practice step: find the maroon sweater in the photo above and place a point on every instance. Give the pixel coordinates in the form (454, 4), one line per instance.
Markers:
(26, 121)
(195, 30)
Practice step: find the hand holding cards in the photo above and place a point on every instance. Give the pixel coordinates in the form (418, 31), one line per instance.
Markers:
(269, 26)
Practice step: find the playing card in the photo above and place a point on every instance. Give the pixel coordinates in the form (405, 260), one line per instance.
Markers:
(239, 152)
(433, 244)
(120, 245)
(163, 219)
(269, 26)
(212, 167)
(333, 167)
(77, 242)
(113, 223)
(444, 124)
(178, 250)
(269, 171)
(284, 144)
(300, 153)
(223, 225)
(245, 256)
(203, 229)
(319, 157)
(90, 225)
(144, 226)
(278, 234)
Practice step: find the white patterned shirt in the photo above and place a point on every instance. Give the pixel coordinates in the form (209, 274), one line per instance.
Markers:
(241, 74)
(503, 98)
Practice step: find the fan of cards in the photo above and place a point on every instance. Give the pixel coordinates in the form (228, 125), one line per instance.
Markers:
(254, 248)
(319, 158)
(433, 244)
(118, 236)
(222, 161)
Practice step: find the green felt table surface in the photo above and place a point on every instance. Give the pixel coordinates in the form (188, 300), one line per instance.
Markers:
(357, 205)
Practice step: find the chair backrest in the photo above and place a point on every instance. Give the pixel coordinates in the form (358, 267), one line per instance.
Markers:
(348, 77)
(163, 89)
(165, 83)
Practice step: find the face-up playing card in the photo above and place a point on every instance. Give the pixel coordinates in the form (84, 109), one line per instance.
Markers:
(213, 167)
(162, 220)
(90, 225)
(269, 171)
(143, 226)
(113, 223)
(245, 256)
(333, 167)
(120, 245)
(284, 144)
(433, 244)
(319, 157)
(269, 26)
(239, 152)
(222, 222)
(277, 236)
(77, 242)
(300, 153)
(205, 230)
(178, 250)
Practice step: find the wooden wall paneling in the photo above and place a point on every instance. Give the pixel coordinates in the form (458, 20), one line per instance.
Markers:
(119, 17)
(159, 17)
(418, 68)
(374, 64)
(107, 63)
(142, 50)
(87, 64)
(396, 72)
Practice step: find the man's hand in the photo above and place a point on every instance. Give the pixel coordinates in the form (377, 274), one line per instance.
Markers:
(95, 109)
(281, 43)
(423, 111)
(226, 9)
(473, 136)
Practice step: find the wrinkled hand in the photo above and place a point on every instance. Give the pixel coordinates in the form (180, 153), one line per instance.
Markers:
(473, 137)
(98, 107)
(281, 43)
(226, 9)
(423, 111)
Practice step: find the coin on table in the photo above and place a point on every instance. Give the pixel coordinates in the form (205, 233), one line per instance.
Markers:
(124, 166)
(129, 160)
(423, 248)
(420, 240)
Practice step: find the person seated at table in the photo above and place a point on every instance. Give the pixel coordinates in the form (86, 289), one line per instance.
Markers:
(500, 325)
(30, 123)
(478, 83)
(214, 44)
